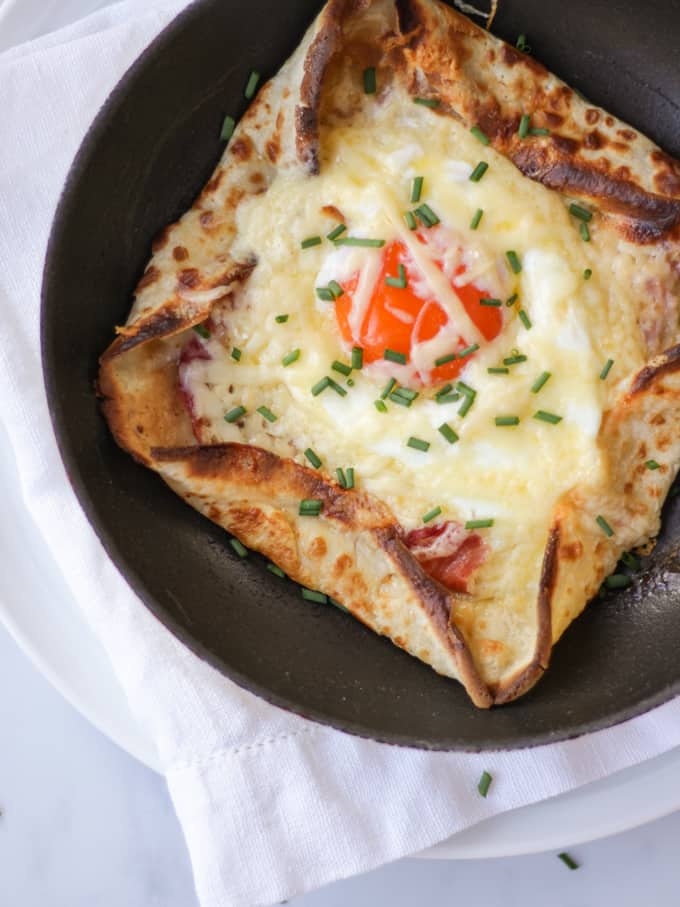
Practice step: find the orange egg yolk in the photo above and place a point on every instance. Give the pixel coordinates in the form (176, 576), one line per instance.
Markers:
(397, 318)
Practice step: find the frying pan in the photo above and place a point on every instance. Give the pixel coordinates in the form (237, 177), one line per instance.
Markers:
(148, 153)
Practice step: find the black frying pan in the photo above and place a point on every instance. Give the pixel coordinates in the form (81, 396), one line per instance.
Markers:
(148, 153)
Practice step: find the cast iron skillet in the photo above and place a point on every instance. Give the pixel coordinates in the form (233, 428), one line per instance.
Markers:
(148, 153)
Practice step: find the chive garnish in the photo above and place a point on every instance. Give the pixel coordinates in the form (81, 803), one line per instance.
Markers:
(630, 560)
(489, 300)
(542, 379)
(394, 356)
(325, 294)
(380, 406)
(310, 241)
(337, 387)
(236, 354)
(582, 213)
(652, 464)
(389, 387)
(523, 130)
(515, 359)
(444, 359)
(539, 131)
(418, 444)
(447, 432)
(428, 102)
(290, 358)
(479, 524)
(396, 397)
(410, 219)
(235, 414)
(341, 367)
(251, 84)
(202, 331)
(416, 188)
(468, 351)
(311, 595)
(522, 45)
(406, 392)
(320, 386)
(431, 514)
(543, 416)
(584, 231)
(313, 458)
(350, 382)
(467, 404)
(360, 241)
(476, 218)
(617, 581)
(357, 358)
(228, 126)
(568, 861)
(480, 135)
(606, 368)
(342, 481)
(427, 215)
(400, 282)
(604, 526)
(281, 319)
(587, 274)
(479, 172)
(335, 232)
(276, 570)
(498, 370)
(505, 421)
(369, 80)
(335, 288)
(444, 390)
(266, 413)
(524, 318)
(484, 784)
(310, 507)
(349, 477)
(513, 261)
(447, 398)
(464, 388)
(238, 547)
(511, 300)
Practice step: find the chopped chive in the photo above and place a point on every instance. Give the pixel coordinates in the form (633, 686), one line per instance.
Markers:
(427, 215)
(310, 507)
(228, 126)
(431, 514)
(568, 861)
(513, 261)
(266, 413)
(337, 387)
(444, 359)
(476, 218)
(428, 102)
(543, 416)
(325, 294)
(410, 219)
(630, 560)
(617, 581)
(349, 476)
(480, 135)
(394, 356)
(479, 524)
(235, 414)
(342, 368)
(342, 481)
(465, 388)
(444, 390)
(582, 213)
(511, 300)
(498, 370)
(320, 386)
(313, 458)
(335, 232)
(584, 231)
(238, 547)
(542, 379)
(418, 444)
(524, 318)
(407, 393)
(447, 398)
(338, 605)
(290, 358)
(397, 398)
(310, 241)
(276, 570)
(504, 421)
(541, 130)
(389, 387)
(416, 188)
(479, 172)
(369, 80)
(489, 300)
(447, 432)
(357, 358)
(524, 123)
(350, 382)
(521, 44)
(251, 84)
(652, 464)
(467, 404)
(484, 784)
(236, 354)
(335, 288)
(360, 241)
(311, 595)
(606, 368)
(380, 406)
(515, 359)
(202, 331)
(604, 526)
(401, 281)
(587, 274)
(468, 351)
(281, 319)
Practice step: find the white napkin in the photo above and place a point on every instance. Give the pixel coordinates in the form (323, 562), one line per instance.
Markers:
(271, 804)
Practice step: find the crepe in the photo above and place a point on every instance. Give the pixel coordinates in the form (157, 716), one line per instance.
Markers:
(494, 628)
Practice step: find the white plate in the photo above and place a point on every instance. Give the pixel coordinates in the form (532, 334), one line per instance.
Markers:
(37, 608)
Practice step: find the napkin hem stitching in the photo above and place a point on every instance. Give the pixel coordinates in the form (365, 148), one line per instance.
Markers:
(238, 750)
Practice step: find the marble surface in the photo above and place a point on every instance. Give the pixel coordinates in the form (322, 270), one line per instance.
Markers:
(85, 825)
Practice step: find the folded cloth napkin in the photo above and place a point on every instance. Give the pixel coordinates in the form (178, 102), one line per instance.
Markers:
(271, 804)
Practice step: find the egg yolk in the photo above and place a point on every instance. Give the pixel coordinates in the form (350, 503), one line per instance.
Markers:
(398, 318)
